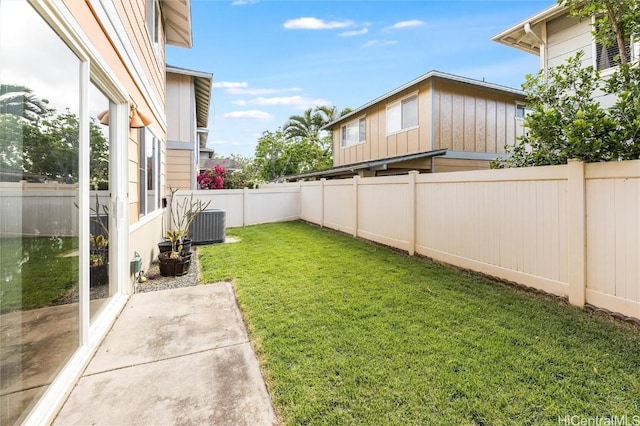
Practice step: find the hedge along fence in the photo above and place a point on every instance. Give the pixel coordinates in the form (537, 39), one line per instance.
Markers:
(570, 230)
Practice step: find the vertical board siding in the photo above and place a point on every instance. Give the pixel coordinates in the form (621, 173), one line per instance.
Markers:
(613, 231)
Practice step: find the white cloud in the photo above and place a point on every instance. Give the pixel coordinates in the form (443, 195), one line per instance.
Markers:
(240, 102)
(379, 43)
(297, 101)
(354, 33)
(243, 2)
(406, 24)
(315, 24)
(258, 92)
(230, 84)
(253, 114)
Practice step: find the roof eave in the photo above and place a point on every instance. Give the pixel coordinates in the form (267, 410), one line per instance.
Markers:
(514, 36)
(177, 22)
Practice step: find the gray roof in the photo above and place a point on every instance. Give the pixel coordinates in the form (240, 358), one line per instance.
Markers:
(371, 164)
(422, 78)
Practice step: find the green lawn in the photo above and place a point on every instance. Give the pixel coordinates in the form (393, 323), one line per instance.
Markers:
(35, 271)
(349, 332)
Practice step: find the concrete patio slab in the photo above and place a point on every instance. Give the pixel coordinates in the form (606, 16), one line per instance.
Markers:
(177, 356)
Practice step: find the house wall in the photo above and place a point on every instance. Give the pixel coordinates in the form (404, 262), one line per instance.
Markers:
(471, 119)
(179, 168)
(180, 109)
(145, 94)
(442, 164)
(459, 117)
(566, 36)
(380, 145)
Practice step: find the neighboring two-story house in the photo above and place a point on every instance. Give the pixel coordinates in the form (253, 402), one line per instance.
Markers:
(86, 80)
(555, 36)
(438, 122)
(188, 97)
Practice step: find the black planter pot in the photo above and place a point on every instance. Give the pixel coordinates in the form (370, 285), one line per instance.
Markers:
(165, 246)
(174, 267)
(98, 275)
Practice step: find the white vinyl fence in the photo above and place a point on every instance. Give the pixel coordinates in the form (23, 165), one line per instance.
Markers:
(571, 230)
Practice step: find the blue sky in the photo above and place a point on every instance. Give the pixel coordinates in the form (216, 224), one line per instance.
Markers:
(273, 59)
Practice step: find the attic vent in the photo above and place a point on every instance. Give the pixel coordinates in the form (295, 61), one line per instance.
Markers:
(208, 227)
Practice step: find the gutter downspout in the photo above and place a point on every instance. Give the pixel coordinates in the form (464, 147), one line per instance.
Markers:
(543, 57)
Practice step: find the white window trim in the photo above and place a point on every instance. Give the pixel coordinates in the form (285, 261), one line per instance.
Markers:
(156, 9)
(157, 146)
(399, 101)
(357, 123)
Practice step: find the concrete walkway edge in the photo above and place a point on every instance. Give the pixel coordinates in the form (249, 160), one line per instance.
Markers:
(179, 356)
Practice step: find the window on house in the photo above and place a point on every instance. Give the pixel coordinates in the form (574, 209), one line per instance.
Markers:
(354, 132)
(154, 23)
(149, 171)
(402, 115)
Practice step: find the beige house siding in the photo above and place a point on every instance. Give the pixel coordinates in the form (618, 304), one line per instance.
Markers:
(380, 145)
(180, 119)
(153, 62)
(179, 168)
(473, 120)
(464, 118)
(458, 165)
(566, 36)
(131, 12)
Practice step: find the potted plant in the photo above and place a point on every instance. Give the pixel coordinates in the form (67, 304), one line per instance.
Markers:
(175, 253)
(98, 260)
(181, 214)
(177, 261)
(99, 246)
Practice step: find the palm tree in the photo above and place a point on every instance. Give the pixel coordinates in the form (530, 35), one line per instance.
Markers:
(304, 126)
(329, 114)
(20, 101)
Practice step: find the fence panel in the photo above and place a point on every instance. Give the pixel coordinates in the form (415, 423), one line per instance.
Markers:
(613, 235)
(311, 202)
(497, 220)
(266, 205)
(339, 205)
(383, 210)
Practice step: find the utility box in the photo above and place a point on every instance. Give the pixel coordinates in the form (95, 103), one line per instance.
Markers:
(208, 227)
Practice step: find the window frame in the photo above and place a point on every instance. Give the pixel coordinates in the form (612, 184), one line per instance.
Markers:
(634, 52)
(391, 130)
(357, 123)
(146, 208)
(153, 23)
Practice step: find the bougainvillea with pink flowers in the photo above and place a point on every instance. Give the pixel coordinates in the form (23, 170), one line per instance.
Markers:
(212, 178)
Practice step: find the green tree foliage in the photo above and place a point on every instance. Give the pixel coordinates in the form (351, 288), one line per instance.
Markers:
(273, 156)
(247, 175)
(38, 143)
(567, 122)
(616, 21)
(300, 146)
